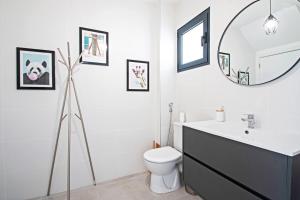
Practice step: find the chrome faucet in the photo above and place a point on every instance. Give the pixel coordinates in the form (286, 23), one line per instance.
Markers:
(250, 119)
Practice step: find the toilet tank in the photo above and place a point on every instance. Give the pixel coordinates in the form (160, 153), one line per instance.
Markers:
(177, 136)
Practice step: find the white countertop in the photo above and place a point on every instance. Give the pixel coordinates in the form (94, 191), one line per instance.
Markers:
(287, 143)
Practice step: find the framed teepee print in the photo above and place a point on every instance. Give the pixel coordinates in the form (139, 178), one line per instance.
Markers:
(93, 45)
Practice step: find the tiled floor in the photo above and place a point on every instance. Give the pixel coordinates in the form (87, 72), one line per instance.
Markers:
(129, 188)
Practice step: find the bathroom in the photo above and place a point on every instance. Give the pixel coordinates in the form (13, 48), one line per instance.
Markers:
(122, 123)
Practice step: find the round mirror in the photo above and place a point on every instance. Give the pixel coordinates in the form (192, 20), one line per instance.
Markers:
(262, 42)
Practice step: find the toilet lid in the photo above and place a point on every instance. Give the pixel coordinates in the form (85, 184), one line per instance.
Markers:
(163, 154)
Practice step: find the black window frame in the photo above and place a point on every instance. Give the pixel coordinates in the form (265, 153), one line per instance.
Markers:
(204, 18)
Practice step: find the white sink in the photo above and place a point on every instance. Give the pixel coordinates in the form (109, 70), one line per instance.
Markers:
(287, 143)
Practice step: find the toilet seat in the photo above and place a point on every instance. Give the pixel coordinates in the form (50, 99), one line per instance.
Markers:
(162, 155)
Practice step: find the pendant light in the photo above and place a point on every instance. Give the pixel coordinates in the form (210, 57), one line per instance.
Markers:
(271, 23)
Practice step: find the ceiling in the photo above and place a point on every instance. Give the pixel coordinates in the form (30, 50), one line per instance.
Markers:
(288, 30)
(261, 9)
(250, 24)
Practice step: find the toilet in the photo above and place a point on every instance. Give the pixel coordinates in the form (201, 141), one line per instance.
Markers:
(164, 164)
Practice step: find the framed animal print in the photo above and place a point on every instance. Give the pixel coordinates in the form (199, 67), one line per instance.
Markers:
(35, 69)
(93, 45)
(137, 75)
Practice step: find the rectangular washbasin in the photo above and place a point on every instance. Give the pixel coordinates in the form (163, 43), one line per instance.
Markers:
(287, 143)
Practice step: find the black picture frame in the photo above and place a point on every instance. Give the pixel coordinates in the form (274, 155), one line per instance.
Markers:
(82, 46)
(242, 74)
(35, 84)
(203, 17)
(130, 77)
(225, 71)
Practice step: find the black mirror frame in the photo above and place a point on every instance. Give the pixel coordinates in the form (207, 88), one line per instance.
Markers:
(219, 46)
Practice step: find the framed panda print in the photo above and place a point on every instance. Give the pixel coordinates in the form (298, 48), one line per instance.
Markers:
(35, 69)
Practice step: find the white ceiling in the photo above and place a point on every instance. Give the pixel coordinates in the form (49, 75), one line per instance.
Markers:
(250, 23)
(261, 9)
(288, 30)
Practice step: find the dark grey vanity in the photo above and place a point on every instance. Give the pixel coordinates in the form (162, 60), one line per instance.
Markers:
(218, 168)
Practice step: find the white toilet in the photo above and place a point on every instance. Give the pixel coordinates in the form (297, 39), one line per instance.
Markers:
(163, 163)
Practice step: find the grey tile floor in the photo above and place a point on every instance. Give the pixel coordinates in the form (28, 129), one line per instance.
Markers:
(130, 188)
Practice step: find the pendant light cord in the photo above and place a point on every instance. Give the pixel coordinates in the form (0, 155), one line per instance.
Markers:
(270, 7)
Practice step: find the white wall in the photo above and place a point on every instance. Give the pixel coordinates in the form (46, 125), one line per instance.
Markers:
(167, 62)
(200, 91)
(120, 125)
(284, 56)
(242, 56)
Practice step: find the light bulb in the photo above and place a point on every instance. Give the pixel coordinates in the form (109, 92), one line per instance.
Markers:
(271, 25)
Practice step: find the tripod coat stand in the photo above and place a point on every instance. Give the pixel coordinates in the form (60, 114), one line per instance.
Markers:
(70, 85)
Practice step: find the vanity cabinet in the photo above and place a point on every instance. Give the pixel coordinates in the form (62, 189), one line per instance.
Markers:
(219, 168)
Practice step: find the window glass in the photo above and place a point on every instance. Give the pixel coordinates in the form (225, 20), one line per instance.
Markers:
(191, 44)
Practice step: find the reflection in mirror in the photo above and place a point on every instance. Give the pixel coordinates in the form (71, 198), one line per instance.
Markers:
(251, 53)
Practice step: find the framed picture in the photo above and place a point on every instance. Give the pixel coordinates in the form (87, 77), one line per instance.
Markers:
(243, 78)
(35, 69)
(94, 46)
(137, 75)
(224, 59)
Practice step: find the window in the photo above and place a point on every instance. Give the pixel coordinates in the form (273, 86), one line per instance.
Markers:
(193, 43)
